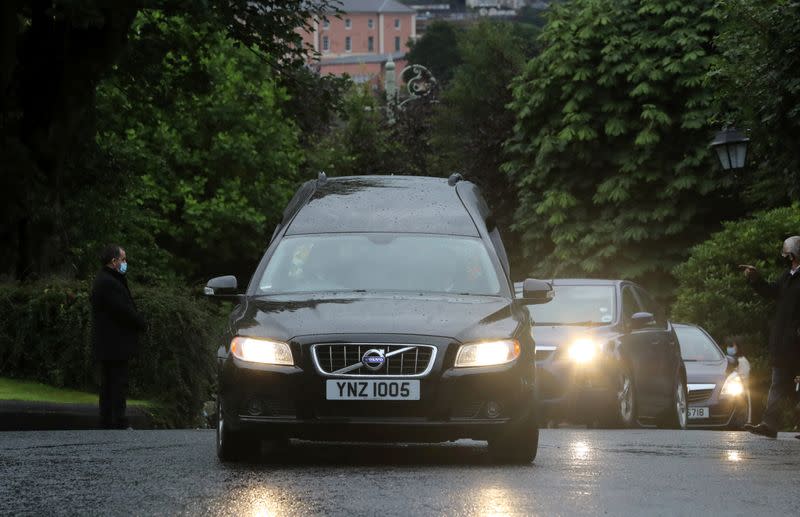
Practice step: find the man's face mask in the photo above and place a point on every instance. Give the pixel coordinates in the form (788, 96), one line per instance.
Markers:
(123, 267)
(731, 351)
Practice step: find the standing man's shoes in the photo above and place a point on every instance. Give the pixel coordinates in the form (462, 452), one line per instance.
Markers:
(763, 429)
(749, 427)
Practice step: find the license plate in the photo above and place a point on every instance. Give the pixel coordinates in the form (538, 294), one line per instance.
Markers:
(371, 389)
(699, 412)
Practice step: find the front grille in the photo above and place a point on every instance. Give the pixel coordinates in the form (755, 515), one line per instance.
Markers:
(699, 395)
(399, 360)
(541, 355)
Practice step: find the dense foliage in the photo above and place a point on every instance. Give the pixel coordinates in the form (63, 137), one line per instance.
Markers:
(472, 121)
(359, 141)
(609, 151)
(215, 156)
(757, 80)
(711, 289)
(53, 54)
(45, 335)
(437, 50)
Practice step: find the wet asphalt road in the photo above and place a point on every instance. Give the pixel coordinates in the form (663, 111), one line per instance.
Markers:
(577, 472)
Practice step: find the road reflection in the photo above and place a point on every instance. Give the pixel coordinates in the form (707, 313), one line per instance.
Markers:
(581, 450)
(733, 456)
(495, 501)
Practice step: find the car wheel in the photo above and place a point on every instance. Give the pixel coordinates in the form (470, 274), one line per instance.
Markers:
(678, 413)
(623, 408)
(518, 445)
(232, 445)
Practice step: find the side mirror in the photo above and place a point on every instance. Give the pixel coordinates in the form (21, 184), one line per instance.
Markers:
(221, 286)
(536, 292)
(733, 363)
(641, 320)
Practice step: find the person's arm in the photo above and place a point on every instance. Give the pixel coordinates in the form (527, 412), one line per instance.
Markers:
(113, 299)
(743, 368)
(766, 289)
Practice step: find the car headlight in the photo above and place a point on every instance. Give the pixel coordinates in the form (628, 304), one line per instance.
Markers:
(488, 353)
(733, 386)
(254, 350)
(582, 350)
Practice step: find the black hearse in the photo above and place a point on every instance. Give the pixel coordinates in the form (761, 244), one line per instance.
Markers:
(382, 310)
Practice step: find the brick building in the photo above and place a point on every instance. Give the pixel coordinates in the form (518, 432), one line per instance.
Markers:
(362, 39)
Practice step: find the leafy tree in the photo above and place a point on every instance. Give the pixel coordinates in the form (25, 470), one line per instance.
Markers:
(53, 53)
(609, 151)
(758, 81)
(712, 291)
(472, 121)
(359, 141)
(215, 157)
(437, 50)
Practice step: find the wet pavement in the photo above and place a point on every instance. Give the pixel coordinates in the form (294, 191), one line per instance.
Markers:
(577, 472)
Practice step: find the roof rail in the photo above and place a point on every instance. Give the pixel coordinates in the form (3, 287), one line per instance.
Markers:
(454, 178)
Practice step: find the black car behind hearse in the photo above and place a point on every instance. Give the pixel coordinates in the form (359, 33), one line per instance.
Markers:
(381, 310)
(606, 355)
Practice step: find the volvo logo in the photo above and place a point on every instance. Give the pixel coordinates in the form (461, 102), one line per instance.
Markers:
(373, 359)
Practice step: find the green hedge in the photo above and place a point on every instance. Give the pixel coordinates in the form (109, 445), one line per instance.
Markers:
(45, 335)
(712, 291)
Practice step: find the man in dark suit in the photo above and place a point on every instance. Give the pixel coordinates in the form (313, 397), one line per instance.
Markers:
(116, 325)
(784, 339)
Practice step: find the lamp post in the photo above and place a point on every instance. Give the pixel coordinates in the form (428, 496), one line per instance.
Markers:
(731, 147)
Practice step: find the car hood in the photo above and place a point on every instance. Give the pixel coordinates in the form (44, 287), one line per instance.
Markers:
(464, 318)
(705, 372)
(557, 335)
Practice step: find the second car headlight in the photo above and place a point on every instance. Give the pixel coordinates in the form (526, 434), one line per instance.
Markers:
(264, 351)
(582, 350)
(487, 353)
(733, 386)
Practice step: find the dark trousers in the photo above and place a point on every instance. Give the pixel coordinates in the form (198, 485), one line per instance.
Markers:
(113, 391)
(782, 388)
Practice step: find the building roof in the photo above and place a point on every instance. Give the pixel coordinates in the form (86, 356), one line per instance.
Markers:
(397, 204)
(374, 6)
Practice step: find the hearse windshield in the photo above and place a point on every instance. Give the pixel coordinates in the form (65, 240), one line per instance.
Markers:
(380, 262)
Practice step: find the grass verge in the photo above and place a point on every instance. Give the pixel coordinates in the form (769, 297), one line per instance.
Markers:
(30, 391)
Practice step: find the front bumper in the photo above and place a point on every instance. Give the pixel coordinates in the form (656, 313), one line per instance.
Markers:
(723, 411)
(276, 401)
(579, 393)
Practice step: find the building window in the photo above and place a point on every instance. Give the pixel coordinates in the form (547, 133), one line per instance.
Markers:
(397, 43)
(348, 44)
(370, 23)
(397, 23)
(326, 24)
(326, 44)
(371, 44)
(348, 23)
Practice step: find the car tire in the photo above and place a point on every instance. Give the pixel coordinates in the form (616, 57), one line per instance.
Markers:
(677, 415)
(232, 445)
(623, 412)
(516, 446)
